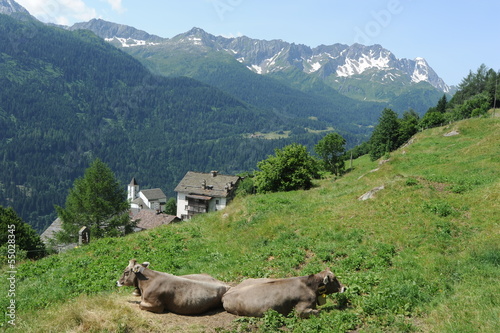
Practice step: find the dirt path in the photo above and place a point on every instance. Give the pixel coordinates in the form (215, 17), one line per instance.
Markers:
(212, 321)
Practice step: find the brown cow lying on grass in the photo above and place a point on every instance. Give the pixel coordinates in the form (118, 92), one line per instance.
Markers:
(187, 295)
(197, 277)
(253, 297)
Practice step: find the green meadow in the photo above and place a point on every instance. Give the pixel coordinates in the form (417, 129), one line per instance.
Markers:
(421, 255)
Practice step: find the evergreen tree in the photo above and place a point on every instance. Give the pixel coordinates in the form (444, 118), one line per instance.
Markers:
(491, 86)
(96, 201)
(474, 84)
(291, 168)
(331, 150)
(408, 125)
(25, 238)
(171, 207)
(441, 106)
(385, 136)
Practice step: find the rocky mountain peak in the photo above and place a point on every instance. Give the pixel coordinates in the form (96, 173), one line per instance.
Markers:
(10, 7)
(109, 30)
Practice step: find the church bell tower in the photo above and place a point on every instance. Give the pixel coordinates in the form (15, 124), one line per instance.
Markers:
(133, 190)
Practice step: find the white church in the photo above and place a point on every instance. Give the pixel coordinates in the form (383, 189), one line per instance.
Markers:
(152, 199)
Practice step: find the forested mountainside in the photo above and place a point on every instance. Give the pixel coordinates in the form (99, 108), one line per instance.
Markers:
(68, 97)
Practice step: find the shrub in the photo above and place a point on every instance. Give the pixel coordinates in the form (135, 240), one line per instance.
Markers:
(291, 168)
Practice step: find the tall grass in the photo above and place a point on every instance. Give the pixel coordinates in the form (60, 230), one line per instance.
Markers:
(422, 255)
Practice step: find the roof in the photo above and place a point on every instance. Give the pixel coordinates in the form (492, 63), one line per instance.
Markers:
(139, 202)
(154, 194)
(133, 182)
(51, 230)
(149, 219)
(49, 235)
(206, 184)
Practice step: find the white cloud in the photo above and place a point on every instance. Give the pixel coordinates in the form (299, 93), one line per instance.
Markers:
(116, 5)
(65, 12)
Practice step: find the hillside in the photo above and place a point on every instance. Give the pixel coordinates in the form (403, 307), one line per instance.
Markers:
(422, 255)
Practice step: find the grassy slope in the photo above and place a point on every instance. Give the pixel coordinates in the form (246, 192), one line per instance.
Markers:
(422, 255)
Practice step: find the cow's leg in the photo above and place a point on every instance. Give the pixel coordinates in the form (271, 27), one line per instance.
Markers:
(305, 309)
(156, 307)
(136, 292)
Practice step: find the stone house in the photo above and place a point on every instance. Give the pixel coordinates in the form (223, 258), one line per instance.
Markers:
(204, 192)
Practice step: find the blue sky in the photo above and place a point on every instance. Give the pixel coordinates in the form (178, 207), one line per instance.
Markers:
(453, 36)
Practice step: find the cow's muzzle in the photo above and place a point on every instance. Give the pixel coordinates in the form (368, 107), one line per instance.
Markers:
(118, 284)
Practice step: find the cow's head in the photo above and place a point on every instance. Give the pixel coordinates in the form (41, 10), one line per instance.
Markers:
(129, 277)
(330, 283)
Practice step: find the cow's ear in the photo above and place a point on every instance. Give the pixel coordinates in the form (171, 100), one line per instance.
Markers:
(145, 264)
(138, 269)
(326, 279)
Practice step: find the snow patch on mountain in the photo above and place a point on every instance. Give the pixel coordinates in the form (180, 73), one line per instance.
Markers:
(255, 68)
(421, 71)
(130, 42)
(315, 67)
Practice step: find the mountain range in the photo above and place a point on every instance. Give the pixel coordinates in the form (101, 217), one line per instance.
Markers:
(163, 106)
(339, 66)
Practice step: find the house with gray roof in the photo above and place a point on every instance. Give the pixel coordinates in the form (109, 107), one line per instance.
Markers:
(204, 192)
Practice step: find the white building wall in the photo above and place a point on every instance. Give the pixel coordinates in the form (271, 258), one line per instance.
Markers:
(181, 204)
(146, 201)
(216, 204)
(213, 205)
(132, 192)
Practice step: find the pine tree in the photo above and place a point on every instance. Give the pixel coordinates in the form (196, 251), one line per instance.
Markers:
(385, 136)
(96, 201)
(441, 106)
(24, 236)
(408, 125)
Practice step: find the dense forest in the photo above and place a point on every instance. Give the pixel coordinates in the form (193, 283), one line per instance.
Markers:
(69, 97)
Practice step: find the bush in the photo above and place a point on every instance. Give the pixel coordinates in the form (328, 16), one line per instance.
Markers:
(291, 168)
(432, 119)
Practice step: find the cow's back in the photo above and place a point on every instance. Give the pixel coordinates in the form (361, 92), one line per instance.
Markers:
(186, 296)
(253, 298)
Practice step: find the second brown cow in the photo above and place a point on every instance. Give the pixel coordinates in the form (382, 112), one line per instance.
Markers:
(253, 297)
